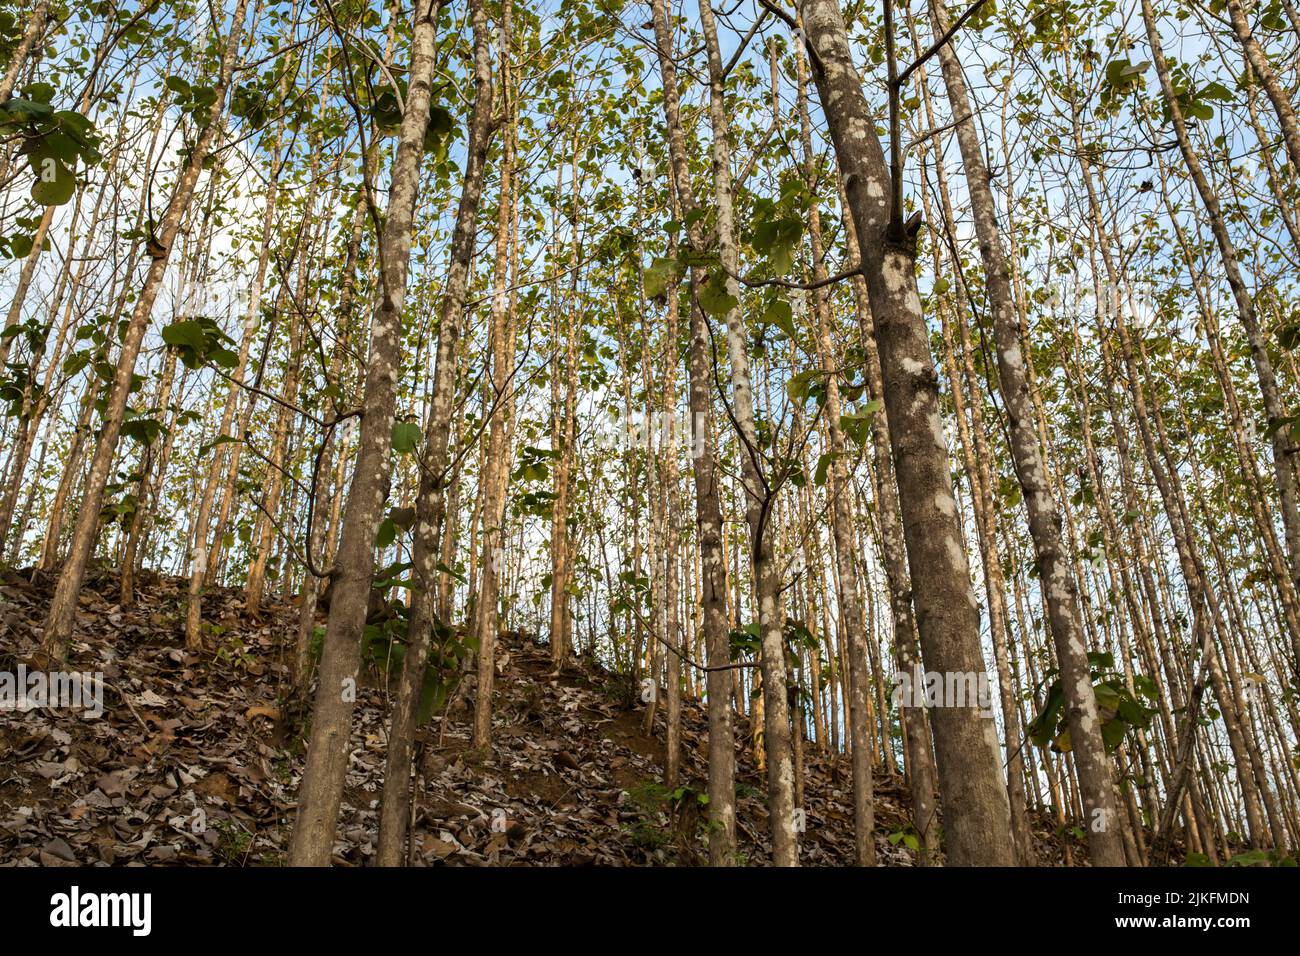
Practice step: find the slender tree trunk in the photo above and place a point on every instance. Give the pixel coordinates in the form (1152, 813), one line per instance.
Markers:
(15, 313)
(780, 771)
(495, 474)
(1060, 590)
(18, 59)
(566, 431)
(60, 620)
(1264, 73)
(126, 589)
(321, 789)
(922, 775)
(852, 613)
(395, 812)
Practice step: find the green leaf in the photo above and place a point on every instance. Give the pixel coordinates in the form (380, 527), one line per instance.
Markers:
(433, 693)
(1112, 734)
(780, 314)
(1215, 91)
(75, 362)
(386, 111)
(222, 440)
(38, 92)
(1123, 73)
(776, 238)
(658, 276)
(143, 430)
(406, 435)
(1288, 336)
(714, 297)
(823, 466)
(54, 183)
(441, 567)
(804, 385)
(1042, 727)
(185, 333)
(19, 111)
(439, 128)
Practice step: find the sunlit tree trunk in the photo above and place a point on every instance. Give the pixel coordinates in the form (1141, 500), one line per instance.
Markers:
(60, 620)
(1060, 589)
(394, 811)
(321, 789)
(978, 822)
(849, 590)
(780, 772)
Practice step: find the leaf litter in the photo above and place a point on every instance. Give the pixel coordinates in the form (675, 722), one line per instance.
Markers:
(197, 756)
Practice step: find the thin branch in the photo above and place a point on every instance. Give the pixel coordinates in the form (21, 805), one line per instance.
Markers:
(938, 44)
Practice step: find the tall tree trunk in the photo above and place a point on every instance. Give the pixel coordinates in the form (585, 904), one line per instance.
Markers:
(321, 789)
(722, 759)
(32, 31)
(566, 432)
(60, 620)
(780, 771)
(394, 812)
(978, 823)
(495, 474)
(921, 771)
(1264, 73)
(852, 614)
(1060, 590)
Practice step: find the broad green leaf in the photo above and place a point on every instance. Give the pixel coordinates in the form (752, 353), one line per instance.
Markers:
(406, 435)
(714, 297)
(54, 183)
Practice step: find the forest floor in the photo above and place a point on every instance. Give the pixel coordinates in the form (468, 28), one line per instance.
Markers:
(196, 758)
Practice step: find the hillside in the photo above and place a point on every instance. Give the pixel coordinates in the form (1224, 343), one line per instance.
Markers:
(196, 758)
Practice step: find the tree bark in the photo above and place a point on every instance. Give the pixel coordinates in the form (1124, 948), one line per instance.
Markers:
(1060, 590)
(394, 812)
(978, 823)
(321, 789)
(780, 771)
